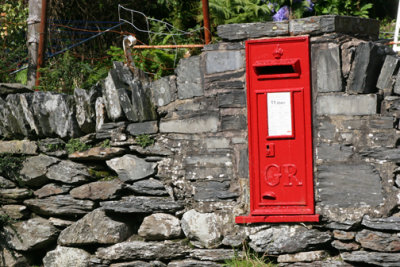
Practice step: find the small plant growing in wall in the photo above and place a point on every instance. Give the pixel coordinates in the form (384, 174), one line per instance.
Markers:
(10, 166)
(144, 140)
(76, 144)
(249, 258)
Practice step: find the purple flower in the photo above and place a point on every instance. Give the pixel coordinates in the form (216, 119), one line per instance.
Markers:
(271, 6)
(310, 5)
(282, 14)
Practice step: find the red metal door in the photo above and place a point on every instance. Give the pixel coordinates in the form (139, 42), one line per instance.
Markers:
(280, 131)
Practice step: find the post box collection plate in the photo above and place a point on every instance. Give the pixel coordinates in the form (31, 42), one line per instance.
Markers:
(280, 131)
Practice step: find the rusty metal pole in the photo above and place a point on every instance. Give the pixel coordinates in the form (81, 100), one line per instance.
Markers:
(206, 17)
(42, 41)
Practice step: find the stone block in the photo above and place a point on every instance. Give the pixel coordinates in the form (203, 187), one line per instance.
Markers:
(196, 124)
(147, 127)
(222, 61)
(349, 105)
(396, 88)
(212, 191)
(65, 256)
(18, 147)
(245, 31)
(131, 168)
(233, 99)
(228, 80)
(189, 78)
(308, 256)
(164, 90)
(329, 75)
(224, 46)
(378, 241)
(364, 72)
(85, 108)
(233, 122)
(334, 152)
(385, 77)
(389, 223)
(160, 226)
(375, 258)
(243, 166)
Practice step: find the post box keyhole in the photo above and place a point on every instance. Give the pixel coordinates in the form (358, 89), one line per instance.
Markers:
(270, 149)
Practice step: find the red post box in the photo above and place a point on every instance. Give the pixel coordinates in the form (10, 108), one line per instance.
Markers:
(280, 131)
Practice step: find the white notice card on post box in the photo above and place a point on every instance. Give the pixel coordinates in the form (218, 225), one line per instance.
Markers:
(279, 110)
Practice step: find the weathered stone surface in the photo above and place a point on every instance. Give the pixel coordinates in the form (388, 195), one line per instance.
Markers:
(94, 228)
(9, 258)
(110, 129)
(192, 263)
(342, 246)
(164, 90)
(60, 223)
(51, 190)
(348, 51)
(288, 239)
(97, 153)
(16, 212)
(390, 223)
(202, 229)
(160, 226)
(377, 258)
(5, 183)
(68, 172)
(378, 241)
(364, 72)
(111, 97)
(64, 256)
(20, 117)
(138, 250)
(195, 124)
(52, 147)
(133, 264)
(308, 256)
(212, 191)
(233, 122)
(34, 169)
(149, 187)
(29, 235)
(334, 152)
(142, 108)
(349, 105)
(222, 61)
(142, 205)
(14, 88)
(131, 168)
(85, 108)
(234, 99)
(101, 190)
(225, 80)
(147, 127)
(382, 153)
(388, 68)
(101, 113)
(15, 193)
(396, 88)
(343, 235)
(224, 46)
(329, 75)
(252, 30)
(189, 78)
(18, 147)
(157, 149)
(60, 205)
(214, 254)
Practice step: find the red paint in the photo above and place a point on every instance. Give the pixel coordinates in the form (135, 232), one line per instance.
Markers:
(280, 150)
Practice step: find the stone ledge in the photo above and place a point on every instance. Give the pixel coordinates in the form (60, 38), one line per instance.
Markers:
(350, 105)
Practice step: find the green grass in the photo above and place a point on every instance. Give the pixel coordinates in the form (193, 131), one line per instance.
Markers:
(249, 259)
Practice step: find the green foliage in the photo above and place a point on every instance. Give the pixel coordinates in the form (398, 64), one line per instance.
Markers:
(249, 259)
(102, 175)
(106, 143)
(75, 144)
(144, 140)
(54, 147)
(359, 8)
(387, 27)
(6, 220)
(10, 166)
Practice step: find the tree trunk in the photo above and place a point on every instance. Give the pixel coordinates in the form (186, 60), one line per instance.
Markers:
(33, 22)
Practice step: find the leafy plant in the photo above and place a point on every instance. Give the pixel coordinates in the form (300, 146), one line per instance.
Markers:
(359, 8)
(75, 144)
(249, 259)
(102, 175)
(106, 143)
(10, 166)
(144, 140)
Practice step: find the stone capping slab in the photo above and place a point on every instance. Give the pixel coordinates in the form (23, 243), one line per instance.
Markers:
(350, 105)
(316, 25)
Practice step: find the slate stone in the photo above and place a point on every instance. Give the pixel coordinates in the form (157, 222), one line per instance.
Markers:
(14, 88)
(160, 226)
(149, 187)
(224, 46)
(348, 51)
(308, 256)
(108, 130)
(16, 212)
(12, 258)
(36, 233)
(334, 152)
(85, 108)
(234, 99)
(389, 223)
(94, 228)
(133, 264)
(214, 254)
(68, 172)
(60, 223)
(288, 239)
(329, 69)
(142, 105)
(97, 154)
(192, 263)
(377, 258)
(349, 105)
(24, 147)
(60, 205)
(233, 122)
(111, 96)
(101, 190)
(15, 193)
(222, 61)
(212, 191)
(202, 229)
(225, 80)
(365, 69)
(65, 256)
(385, 77)
(189, 78)
(133, 204)
(131, 168)
(343, 235)
(20, 115)
(343, 246)
(382, 153)
(51, 190)
(396, 88)
(378, 241)
(196, 124)
(5, 183)
(157, 149)
(164, 90)
(138, 250)
(101, 113)
(52, 147)
(147, 127)
(233, 32)
(34, 169)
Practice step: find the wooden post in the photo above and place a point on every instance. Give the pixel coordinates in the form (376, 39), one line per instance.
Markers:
(42, 41)
(33, 22)
(206, 17)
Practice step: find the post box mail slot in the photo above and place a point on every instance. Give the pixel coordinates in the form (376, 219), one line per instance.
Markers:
(280, 131)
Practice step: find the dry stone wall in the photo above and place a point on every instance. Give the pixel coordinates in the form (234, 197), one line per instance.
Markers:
(163, 169)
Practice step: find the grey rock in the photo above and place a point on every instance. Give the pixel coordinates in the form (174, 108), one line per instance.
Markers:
(12, 258)
(308, 256)
(343, 235)
(138, 250)
(288, 239)
(101, 190)
(36, 233)
(160, 226)
(388, 68)
(224, 46)
(149, 187)
(378, 241)
(85, 108)
(328, 70)
(148, 127)
(212, 191)
(365, 69)
(20, 117)
(68, 172)
(15, 193)
(389, 223)
(234, 99)
(14, 88)
(225, 80)
(142, 105)
(111, 95)
(164, 90)
(233, 122)
(34, 169)
(94, 228)
(60, 205)
(189, 78)
(132, 205)
(5, 183)
(345, 246)
(192, 263)
(64, 256)
(377, 258)
(202, 229)
(16, 212)
(18, 147)
(243, 167)
(334, 152)
(382, 153)
(396, 88)
(195, 124)
(131, 168)
(157, 149)
(60, 223)
(97, 153)
(222, 61)
(108, 130)
(51, 190)
(101, 113)
(234, 32)
(349, 105)
(343, 225)
(348, 51)
(132, 264)
(52, 147)
(214, 254)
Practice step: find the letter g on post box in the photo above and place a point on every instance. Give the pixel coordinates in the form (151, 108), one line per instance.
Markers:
(280, 131)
